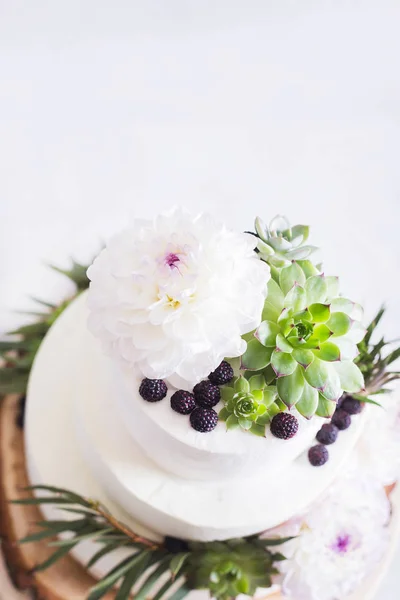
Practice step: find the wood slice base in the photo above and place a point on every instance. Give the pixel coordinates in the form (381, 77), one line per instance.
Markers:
(66, 580)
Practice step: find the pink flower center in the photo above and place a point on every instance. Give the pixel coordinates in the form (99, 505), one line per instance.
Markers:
(341, 544)
(171, 259)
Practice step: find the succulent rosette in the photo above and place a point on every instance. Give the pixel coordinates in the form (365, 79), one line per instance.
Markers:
(308, 339)
(279, 244)
(249, 404)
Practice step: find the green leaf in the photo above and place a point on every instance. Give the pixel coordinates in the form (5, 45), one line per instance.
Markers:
(163, 590)
(332, 286)
(290, 388)
(180, 593)
(300, 253)
(261, 229)
(269, 396)
(303, 357)
(55, 557)
(270, 312)
(105, 584)
(374, 323)
(275, 296)
(392, 357)
(258, 429)
(328, 352)
(227, 393)
(105, 550)
(308, 403)
(282, 363)
(256, 357)
(366, 400)
(241, 385)
(232, 422)
(266, 333)
(177, 562)
(291, 275)
(322, 376)
(316, 289)
(282, 344)
(151, 580)
(339, 323)
(325, 408)
(243, 585)
(308, 268)
(275, 541)
(320, 312)
(350, 376)
(38, 329)
(296, 298)
(224, 414)
(245, 423)
(322, 333)
(257, 382)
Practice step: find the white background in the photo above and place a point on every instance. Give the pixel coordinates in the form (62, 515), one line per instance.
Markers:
(121, 108)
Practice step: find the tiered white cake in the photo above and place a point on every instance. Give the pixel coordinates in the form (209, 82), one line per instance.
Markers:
(145, 458)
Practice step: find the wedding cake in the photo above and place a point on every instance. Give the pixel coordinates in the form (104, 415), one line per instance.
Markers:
(213, 386)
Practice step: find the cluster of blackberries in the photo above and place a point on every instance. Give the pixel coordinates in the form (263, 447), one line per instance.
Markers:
(199, 403)
(347, 406)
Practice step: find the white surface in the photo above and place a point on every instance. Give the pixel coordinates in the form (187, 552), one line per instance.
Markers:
(257, 107)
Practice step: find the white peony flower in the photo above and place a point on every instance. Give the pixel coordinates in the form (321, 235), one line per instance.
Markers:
(174, 296)
(338, 541)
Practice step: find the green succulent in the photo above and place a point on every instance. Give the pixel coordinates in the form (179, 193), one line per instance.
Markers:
(309, 337)
(231, 568)
(249, 404)
(279, 244)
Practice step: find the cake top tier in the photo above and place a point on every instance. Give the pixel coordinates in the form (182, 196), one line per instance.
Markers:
(245, 321)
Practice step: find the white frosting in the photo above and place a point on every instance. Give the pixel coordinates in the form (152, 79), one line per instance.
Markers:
(168, 439)
(72, 395)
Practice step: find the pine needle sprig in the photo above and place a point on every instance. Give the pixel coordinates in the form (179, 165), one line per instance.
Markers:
(18, 349)
(225, 568)
(374, 360)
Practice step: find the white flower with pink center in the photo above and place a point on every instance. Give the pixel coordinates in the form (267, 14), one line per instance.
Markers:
(175, 296)
(337, 543)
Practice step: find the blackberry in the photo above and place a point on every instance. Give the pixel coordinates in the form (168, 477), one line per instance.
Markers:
(327, 434)
(183, 402)
(318, 455)
(284, 426)
(175, 545)
(206, 394)
(153, 390)
(351, 406)
(222, 374)
(203, 419)
(341, 419)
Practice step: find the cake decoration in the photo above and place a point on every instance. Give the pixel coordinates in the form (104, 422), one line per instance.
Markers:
(318, 455)
(295, 353)
(284, 426)
(153, 390)
(183, 402)
(174, 296)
